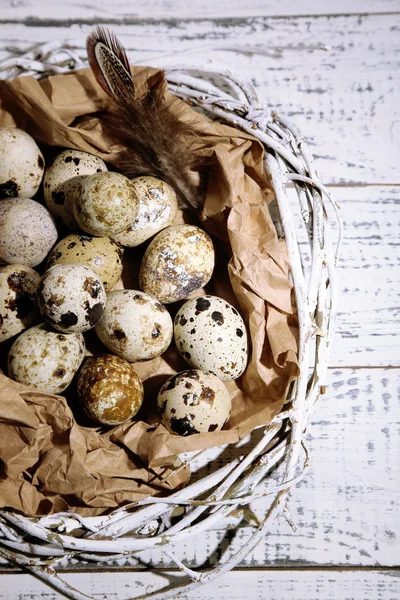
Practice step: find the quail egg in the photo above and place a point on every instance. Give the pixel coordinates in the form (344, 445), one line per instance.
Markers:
(101, 254)
(44, 359)
(135, 326)
(157, 209)
(178, 262)
(18, 308)
(193, 402)
(61, 182)
(211, 335)
(21, 164)
(106, 204)
(71, 297)
(110, 390)
(27, 232)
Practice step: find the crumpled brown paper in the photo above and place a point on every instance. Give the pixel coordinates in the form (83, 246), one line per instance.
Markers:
(52, 460)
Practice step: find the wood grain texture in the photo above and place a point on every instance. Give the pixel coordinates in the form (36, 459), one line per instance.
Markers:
(184, 9)
(239, 585)
(338, 78)
(368, 324)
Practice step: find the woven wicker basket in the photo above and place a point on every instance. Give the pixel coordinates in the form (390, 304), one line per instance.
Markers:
(53, 541)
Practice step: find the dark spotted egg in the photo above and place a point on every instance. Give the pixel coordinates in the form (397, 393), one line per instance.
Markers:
(18, 308)
(21, 164)
(193, 402)
(135, 326)
(71, 297)
(211, 335)
(44, 359)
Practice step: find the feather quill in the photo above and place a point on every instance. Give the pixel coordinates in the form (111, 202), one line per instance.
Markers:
(157, 142)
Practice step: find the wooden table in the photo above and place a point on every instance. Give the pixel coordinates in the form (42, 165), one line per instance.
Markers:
(336, 75)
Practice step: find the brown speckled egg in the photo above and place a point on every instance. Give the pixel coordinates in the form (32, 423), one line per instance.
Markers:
(211, 335)
(193, 402)
(106, 204)
(18, 308)
(178, 262)
(21, 164)
(157, 209)
(135, 326)
(45, 359)
(27, 232)
(101, 254)
(110, 389)
(71, 298)
(62, 179)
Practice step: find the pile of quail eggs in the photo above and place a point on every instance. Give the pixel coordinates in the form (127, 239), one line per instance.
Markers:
(76, 239)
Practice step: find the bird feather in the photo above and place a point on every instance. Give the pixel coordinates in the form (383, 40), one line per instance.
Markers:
(156, 141)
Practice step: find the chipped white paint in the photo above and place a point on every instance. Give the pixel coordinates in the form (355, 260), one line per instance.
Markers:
(336, 77)
(239, 585)
(368, 324)
(184, 9)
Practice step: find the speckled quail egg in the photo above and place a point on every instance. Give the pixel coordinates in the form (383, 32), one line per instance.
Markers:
(27, 232)
(101, 254)
(211, 335)
(18, 308)
(71, 297)
(62, 179)
(46, 359)
(193, 402)
(178, 262)
(110, 390)
(135, 326)
(157, 209)
(106, 204)
(21, 164)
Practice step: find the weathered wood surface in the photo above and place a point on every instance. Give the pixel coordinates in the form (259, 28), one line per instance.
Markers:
(336, 77)
(368, 325)
(238, 585)
(181, 9)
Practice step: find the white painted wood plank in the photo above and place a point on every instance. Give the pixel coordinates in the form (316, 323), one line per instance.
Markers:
(338, 78)
(368, 324)
(237, 585)
(184, 9)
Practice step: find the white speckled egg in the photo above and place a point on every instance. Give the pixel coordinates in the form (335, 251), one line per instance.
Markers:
(27, 232)
(110, 390)
(101, 254)
(193, 402)
(157, 209)
(21, 164)
(62, 180)
(211, 335)
(178, 262)
(18, 308)
(135, 326)
(45, 359)
(106, 204)
(71, 297)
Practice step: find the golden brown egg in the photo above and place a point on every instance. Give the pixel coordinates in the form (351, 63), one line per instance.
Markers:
(178, 262)
(110, 390)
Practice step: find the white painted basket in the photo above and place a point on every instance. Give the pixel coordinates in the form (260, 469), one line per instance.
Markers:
(228, 490)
